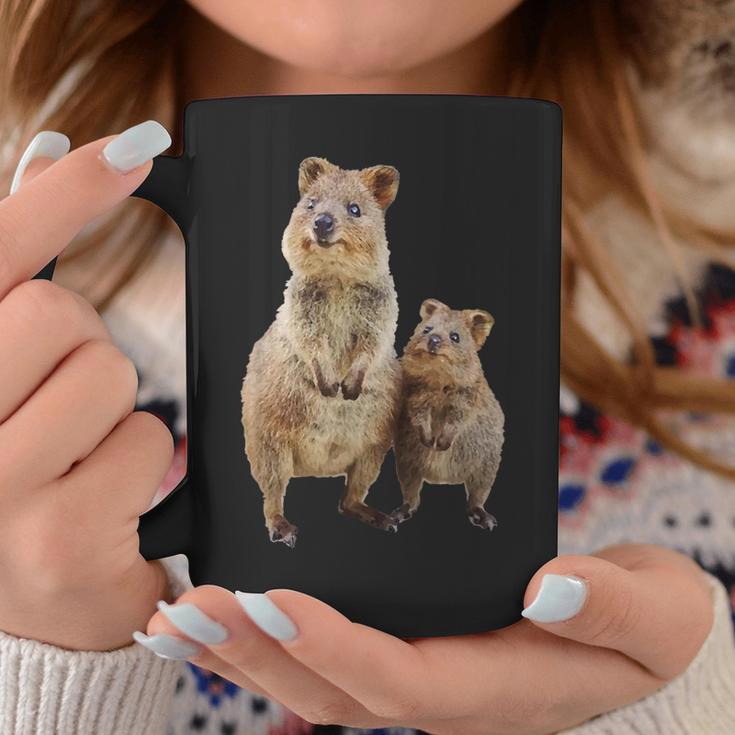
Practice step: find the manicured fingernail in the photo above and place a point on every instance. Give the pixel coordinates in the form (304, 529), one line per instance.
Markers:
(166, 646)
(136, 145)
(192, 622)
(559, 598)
(267, 616)
(47, 144)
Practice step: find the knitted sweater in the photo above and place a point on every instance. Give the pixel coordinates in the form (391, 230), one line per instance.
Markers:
(616, 485)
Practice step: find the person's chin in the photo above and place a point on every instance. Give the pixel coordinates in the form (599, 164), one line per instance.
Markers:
(347, 61)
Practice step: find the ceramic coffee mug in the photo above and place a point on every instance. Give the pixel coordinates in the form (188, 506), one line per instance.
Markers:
(373, 352)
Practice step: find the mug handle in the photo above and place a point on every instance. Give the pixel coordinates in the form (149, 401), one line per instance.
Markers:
(168, 528)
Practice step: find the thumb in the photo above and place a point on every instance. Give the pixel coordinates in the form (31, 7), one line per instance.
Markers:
(649, 603)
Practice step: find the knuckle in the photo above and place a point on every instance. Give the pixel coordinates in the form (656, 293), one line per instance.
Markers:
(617, 620)
(326, 713)
(246, 658)
(8, 247)
(118, 368)
(403, 709)
(41, 300)
(153, 431)
(54, 559)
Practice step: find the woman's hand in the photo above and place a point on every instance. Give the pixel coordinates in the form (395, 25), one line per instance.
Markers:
(77, 466)
(639, 614)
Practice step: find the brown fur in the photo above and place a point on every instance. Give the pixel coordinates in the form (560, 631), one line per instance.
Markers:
(450, 429)
(322, 386)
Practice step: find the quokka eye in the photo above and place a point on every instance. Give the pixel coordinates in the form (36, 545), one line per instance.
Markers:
(454, 336)
(353, 209)
(311, 204)
(427, 329)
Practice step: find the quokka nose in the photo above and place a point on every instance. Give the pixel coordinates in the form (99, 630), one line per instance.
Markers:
(434, 341)
(323, 225)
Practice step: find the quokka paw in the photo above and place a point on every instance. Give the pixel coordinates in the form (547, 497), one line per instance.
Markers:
(284, 532)
(481, 518)
(426, 438)
(351, 392)
(371, 517)
(443, 442)
(440, 443)
(352, 386)
(329, 390)
(385, 522)
(402, 513)
(326, 388)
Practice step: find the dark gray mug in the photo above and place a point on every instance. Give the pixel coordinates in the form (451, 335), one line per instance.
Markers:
(373, 352)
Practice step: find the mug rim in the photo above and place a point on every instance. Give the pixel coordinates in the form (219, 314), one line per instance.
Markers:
(535, 102)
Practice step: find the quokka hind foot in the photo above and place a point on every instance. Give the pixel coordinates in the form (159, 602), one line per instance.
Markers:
(402, 513)
(371, 516)
(481, 518)
(282, 531)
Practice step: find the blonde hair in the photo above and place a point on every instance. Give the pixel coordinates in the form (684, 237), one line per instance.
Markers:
(572, 51)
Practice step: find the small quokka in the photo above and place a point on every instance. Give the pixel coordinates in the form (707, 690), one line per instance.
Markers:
(321, 392)
(450, 429)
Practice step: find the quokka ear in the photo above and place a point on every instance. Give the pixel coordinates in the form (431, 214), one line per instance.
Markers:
(479, 323)
(310, 169)
(382, 183)
(430, 306)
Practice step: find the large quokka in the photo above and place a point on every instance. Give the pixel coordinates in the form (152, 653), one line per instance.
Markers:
(450, 429)
(322, 388)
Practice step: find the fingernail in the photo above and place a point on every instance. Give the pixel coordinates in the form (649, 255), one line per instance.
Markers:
(559, 598)
(46, 144)
(267, 616)
(192, 622)
(136, 145)
(166, 646)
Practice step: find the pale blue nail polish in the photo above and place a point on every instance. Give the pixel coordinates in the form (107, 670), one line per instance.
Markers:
(136, 145)
(193, 623)
(267, 616)
(47, 144)
(559, 598)
(166, 646)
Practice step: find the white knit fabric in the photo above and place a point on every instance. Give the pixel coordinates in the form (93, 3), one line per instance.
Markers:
(45, 690)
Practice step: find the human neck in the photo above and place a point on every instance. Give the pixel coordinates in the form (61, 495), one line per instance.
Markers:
(218, 65)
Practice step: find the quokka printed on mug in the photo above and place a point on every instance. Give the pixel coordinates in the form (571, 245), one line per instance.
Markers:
(324, 393)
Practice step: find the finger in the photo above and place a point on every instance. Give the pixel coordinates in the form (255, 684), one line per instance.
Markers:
(90, 392)
(387, 676)
(140, 449)
(259, 659)
(32, 169)
(45, 148)
(639, 609)
(507, 674)
(205, 658)
(40, 324)
(38, 221)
